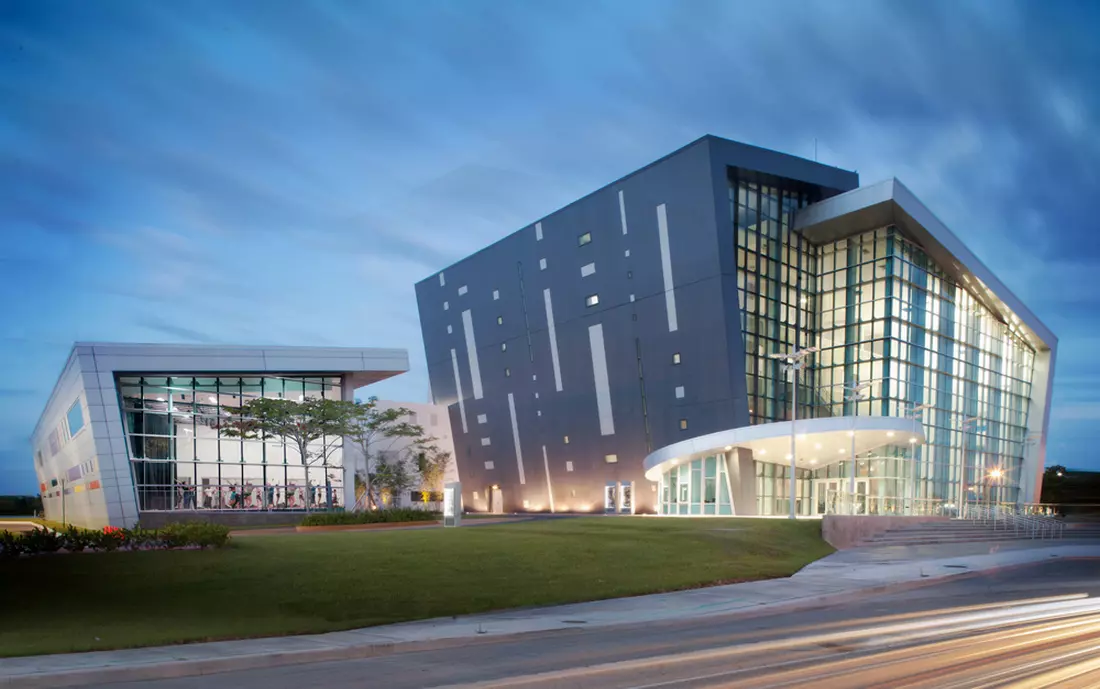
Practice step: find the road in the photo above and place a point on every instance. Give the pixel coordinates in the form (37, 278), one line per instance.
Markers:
(1030, 627)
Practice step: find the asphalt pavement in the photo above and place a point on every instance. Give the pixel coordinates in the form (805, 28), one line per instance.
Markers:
(1028, 626)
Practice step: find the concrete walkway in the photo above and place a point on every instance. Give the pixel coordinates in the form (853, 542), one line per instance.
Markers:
(839, 577)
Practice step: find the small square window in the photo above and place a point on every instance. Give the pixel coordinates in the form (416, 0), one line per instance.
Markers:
(507, 372)
(539, 412)
(449, 330)
(542, 264)
(611, 459)
(627, 253)
(676, 358)
(585, 238)
(500, 320)
(446, 305)
(485, 442)
(496, 295)
(566, 440)
(504, 346)
(569, 467)
(489, 464)
(462, 290)
(683, 424)
(592, 300)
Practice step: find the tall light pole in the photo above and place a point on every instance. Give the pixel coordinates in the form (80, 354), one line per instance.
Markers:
(916, 414)
(854, 393)
(793, 362)
(967, 424)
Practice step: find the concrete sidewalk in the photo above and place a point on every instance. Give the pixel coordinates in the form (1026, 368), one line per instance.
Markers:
(837, 578)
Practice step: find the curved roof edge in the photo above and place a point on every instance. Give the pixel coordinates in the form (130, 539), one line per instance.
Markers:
(891, 203)
(874, 429)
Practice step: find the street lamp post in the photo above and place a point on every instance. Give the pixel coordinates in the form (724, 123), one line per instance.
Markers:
(793, 362)
(856, 392)
(916, 414)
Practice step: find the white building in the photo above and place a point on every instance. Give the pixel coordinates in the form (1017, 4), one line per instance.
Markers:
(132, 430)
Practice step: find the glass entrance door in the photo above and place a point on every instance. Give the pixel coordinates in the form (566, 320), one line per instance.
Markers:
(826, 496)
(861, 502)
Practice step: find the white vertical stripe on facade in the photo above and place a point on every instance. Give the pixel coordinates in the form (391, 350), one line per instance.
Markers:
(442, 280)
(549, 487)
(666, 267)
(515, 437)
(553, 339)
(622, 210)
(538, 232)
(458, 390)
(471, 353)
(599, 372)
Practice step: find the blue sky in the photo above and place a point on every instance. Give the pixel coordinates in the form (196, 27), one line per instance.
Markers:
(282, 172)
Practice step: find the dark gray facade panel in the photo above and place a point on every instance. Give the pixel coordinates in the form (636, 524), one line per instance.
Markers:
(636, 335)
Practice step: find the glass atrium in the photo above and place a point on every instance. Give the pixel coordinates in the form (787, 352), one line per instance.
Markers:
(885, 317)
(183, 460)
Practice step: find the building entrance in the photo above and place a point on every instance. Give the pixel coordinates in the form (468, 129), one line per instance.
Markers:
(831, 496)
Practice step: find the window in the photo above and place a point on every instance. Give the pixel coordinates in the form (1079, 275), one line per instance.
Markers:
(504, 346)
(482, 418)
(76, 418)
(566, 440)
(585, 238)
(496, 295)
(592, 300)
(449, 330)
(507, 372)
(446, 305)
(683, 424)
(489, 464)
(500, 320)
(462, 290)
(676, 358)
(630, 275)
(542, 264)
(485, 442)
(611, 459)
(569, 467)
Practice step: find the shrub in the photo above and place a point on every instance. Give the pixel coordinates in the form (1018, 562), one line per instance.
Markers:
(370, 517)
(76, 539)
(201, 534)
(41, 541)
(11, 545)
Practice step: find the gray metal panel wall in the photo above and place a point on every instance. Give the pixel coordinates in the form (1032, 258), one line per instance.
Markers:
(691, 185)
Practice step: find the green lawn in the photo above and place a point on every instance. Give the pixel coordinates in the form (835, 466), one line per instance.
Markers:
(302, 583)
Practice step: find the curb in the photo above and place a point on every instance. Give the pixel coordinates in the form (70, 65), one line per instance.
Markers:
(192, 668)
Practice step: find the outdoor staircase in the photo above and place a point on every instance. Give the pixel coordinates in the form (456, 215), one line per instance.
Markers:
(953, 531)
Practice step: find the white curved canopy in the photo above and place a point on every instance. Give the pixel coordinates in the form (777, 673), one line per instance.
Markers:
(818, 442)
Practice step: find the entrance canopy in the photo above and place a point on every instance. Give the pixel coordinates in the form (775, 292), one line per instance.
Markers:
(818, 442)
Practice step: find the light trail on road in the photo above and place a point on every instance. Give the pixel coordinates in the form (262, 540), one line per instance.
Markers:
(1027, 643)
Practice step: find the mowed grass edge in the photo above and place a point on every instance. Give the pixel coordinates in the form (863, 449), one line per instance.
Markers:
(310, 583)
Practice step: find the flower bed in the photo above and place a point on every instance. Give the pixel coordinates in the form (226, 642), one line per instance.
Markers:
(72, 539)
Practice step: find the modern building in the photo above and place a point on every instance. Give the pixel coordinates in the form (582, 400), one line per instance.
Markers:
(630, 352)
(134, 431)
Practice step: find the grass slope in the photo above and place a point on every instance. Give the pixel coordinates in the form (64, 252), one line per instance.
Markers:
(303, 583)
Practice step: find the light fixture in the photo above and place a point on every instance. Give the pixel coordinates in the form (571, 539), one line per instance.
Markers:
(813, 461)
(729, 447)
(851, 433)
(840, 451)
(787, 457)
(889, 434)
(912, 440)
(817, 446)
(996, 473)
(763, 452)
(801, 436)
(213, 399)
(160, 399)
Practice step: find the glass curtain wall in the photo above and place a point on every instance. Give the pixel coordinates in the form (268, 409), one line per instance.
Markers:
(698, 487)
(182, 460)
(884, 314)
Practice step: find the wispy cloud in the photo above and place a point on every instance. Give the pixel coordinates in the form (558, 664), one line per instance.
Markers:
(256, 172)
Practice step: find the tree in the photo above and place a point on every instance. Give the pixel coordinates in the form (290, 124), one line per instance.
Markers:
(315, 427)
(373, 431)
(431, 462)
(392, 477)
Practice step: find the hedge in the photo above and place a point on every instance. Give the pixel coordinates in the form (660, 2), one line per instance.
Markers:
(72, 539)
(402, 514)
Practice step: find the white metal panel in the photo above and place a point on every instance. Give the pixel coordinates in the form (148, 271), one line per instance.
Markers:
(599, 372)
